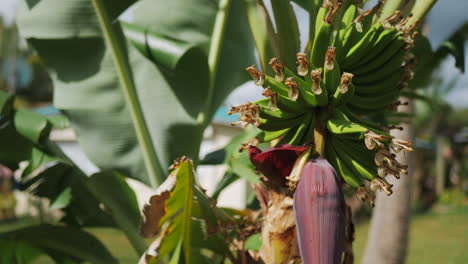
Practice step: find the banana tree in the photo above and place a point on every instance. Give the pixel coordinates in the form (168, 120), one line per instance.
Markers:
(140, 94)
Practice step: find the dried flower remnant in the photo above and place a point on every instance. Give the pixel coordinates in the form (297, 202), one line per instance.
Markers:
(293, 92)
(365, 195)
(258, 76)
(248, 114)
(357, 21)
(320, 214)
(381, 184)
(330, 58)
(387, 23)
(303, 64)
(332, 12)
(385, 169)
(381, 155)
(371, 139)
(398, 145)
(316, 76)
(267, 92)
(278, 67)
(346, 79)
(251, 142)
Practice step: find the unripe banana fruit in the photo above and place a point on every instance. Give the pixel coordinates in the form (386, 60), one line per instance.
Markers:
(357, 66)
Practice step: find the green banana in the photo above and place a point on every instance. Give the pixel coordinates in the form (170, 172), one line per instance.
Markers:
(349, 115)
(279, 124)
(357, 148)
(322, 12)
(266, 136)
(346, 173)
(339, 98)
(383, 73)
(305, 91)
(392, 64)
(267, 113)
(331, 77)
(345, 31)
(390, 82)
(309, 134)
(345, 122)
(286, 104)
(275, 86)
(321, 43)
(342, 126)
(374, 102)
(362, 165)
(383, 48)
(363, 111)
(295, 135)
(360, 49)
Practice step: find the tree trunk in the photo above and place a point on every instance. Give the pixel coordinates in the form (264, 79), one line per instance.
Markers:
(388, 234)
(440, 165)
(417, 176)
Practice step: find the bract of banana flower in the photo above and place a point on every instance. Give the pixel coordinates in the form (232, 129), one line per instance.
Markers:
(277, 162)
(320, 214)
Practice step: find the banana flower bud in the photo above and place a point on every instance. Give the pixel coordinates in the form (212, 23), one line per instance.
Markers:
(320, 214)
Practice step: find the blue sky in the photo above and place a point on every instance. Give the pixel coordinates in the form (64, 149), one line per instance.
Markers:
(443, 20)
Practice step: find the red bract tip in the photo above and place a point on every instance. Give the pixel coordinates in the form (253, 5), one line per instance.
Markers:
(276, 162)
(319, 210)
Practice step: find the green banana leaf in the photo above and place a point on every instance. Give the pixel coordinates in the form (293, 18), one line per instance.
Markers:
(172, 99)
(54, 240)
(63, 183)
(429, 60)
(184, 219)
(18, 252)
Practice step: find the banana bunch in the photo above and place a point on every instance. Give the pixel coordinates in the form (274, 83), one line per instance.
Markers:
(358, 65)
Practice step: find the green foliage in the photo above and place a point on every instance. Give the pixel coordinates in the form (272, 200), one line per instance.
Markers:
(62, 182)
(184, 218)
(54, 240)
(141, 94)
(170, 109)
(19, 252)
(237, 162)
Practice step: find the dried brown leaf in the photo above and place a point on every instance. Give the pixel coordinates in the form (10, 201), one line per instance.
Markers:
(155, 209)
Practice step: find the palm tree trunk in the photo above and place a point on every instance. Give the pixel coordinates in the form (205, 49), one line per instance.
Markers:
(388, 234)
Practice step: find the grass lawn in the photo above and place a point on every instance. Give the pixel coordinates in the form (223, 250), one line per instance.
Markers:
(435, 238)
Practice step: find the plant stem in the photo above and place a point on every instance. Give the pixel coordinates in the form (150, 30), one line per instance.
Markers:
(214, 54)
(319, 134)
(111, 35)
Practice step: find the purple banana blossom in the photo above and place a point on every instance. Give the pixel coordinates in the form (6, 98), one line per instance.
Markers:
(319, 210)
(276, 162)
